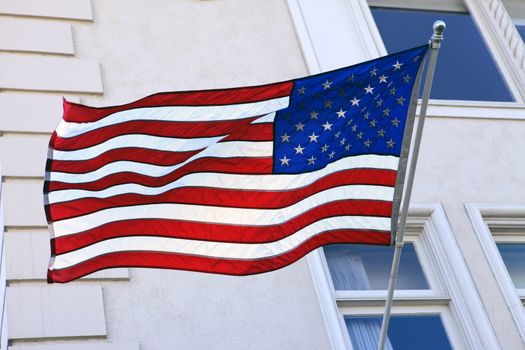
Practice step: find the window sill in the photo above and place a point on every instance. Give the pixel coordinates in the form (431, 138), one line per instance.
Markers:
(475, 109)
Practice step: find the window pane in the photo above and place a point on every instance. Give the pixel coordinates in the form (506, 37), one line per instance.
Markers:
(404, 332)
(513, 255)
(521, 30)
(465, 69)
(367, 267)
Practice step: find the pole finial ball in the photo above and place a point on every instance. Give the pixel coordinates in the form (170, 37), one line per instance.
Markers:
(439, 27)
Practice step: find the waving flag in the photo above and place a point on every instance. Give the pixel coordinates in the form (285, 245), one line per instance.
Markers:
(233, 181)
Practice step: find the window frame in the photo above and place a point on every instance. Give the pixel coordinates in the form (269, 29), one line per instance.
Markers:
(502, 223)
(454, 297)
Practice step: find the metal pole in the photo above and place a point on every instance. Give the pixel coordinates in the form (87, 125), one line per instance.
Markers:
(437, 38)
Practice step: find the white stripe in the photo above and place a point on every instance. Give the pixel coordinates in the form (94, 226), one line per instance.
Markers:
(271, 182)
(177, 113)
(269, 118)
(219, 150)
(220, 215)
(242, 251)
(169, 144)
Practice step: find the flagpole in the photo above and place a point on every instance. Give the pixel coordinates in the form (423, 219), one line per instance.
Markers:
(435, 44)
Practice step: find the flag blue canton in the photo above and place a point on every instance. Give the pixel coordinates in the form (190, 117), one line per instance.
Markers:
(351, 111)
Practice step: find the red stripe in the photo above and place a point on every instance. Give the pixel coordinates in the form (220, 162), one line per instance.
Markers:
(74, 112)
(142, 155)
(214, 265)
(220, 232)
(234, 165)
(155, 128)
(226, 197)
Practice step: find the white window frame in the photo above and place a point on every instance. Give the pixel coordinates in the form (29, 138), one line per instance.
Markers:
(507, 223)
(452, 293)
(322, 29)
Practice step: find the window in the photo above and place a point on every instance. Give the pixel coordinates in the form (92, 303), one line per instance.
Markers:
(407, 332)
(513, 255)
(425, 302)
(365, 267)
(465, 69)
(500, 230)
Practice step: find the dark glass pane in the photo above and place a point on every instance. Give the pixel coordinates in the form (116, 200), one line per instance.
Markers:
(367, 267)
(412, 332)
(465, 69)
(513, 255)
(521, 30)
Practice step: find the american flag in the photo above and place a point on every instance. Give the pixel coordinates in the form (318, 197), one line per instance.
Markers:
(232, 181)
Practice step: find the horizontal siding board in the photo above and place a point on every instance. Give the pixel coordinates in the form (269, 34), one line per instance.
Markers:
(55, 311)
(77, 346)
(32, 265)
(70, 9)
(30, 112)
(36, 36)
(23, 203)
(32, 149)
(47, 73)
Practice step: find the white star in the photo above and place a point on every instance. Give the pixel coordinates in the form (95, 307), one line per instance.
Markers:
(373, 72)
(381, 132)
(373, 123)
(367, 143)
(299, 126)
(285, 138)
(327, 126)
(386, 112)
(347, 147)
(407, 78)
(337, 134)
(369, 89)
(324, 148)
(390, 143)
(360, 135)
(331, 155)
(395, 122)
(392, 91)
(313, 137)
(366, 115)
(340, 113)
(342, 142)
(301, 91)
(327, 84)
(311, 160)
(382, 78)
(355, 101)
(284, 161)
(299, 149)
(314, 114)
(401, 101)
(397, 65)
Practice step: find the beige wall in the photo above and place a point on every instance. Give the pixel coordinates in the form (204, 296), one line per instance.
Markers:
(109, 52)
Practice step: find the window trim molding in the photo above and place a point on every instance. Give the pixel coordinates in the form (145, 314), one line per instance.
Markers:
(466, 308)
(510, 218)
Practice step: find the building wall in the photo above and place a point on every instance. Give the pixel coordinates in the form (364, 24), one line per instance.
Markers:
(111, 52)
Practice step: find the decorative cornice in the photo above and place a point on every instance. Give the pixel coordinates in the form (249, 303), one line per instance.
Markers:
(499, 24)
(507, 30)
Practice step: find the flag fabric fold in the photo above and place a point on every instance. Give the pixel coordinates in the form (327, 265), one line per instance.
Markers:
(232, 181)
